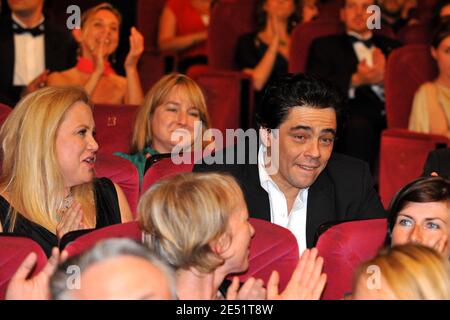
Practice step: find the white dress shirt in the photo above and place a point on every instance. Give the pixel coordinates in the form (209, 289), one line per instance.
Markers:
(295, 220)
(29, 56)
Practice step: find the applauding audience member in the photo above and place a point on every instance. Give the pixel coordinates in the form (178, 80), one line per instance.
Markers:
(199, 224)
(356, 62)
(98, 39)
(30, 47)
(47, 184)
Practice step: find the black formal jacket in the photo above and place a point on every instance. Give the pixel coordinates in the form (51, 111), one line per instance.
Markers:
(343, 191)
(438, 161)
(60, 54)
(334, 58)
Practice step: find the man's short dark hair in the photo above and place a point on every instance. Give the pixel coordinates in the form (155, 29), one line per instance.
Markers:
(297, 90)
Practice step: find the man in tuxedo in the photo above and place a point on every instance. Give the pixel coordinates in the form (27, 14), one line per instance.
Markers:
(30, 48)
(296, 181)
(355, 61)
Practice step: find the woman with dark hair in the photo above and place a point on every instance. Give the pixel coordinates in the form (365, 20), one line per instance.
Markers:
(420, 213)
(264, 54)
(441, 10)
(431, 106)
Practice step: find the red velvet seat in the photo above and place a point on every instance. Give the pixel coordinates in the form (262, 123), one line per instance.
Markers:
(330, 10)
(272, 248)
(415, 34)
(344, 247)
(163, 168)
(403, 153)
(4, 112)
(407, 68)
(114, 127)
(402, 156)
(229, 20)
(123, 173)
(86, 241)
(228, 95)
(302, 38)
(153, 64)
(13, 250)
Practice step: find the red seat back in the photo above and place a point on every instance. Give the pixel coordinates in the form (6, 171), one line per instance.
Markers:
(13, 250)
(123, 173)
(330, 10)
(148, 13)
(114, 126)
(407, 68)
(4, 113)
(415, 34)
(402, 156)
(303, 36)
(228, 96)
(85, 242)
(272, 248)
(229, 20)
(161, 169)
(344, 247)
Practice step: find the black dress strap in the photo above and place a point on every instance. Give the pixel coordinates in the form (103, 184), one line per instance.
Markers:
(106, 203)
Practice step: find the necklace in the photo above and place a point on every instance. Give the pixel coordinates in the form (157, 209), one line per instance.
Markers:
(67, 202)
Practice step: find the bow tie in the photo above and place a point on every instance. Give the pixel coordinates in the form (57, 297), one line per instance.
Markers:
(36, 31)
(368, 43)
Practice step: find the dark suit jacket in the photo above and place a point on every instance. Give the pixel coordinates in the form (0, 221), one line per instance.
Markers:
(343, 191)
(60, 54)
(333, 58)
(438, 161)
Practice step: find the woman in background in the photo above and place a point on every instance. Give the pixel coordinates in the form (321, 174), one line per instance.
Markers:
(183, 28)
(431, 106)
(98, 39)
(173, 108)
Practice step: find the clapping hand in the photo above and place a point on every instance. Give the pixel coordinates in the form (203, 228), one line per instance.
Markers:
(307, 281)
(252, 289)
(136, 49)
(36, 288)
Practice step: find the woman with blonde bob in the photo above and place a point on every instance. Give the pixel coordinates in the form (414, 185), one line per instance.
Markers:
(47, 185)
(198, 223)
(406, 272)
(169, 120)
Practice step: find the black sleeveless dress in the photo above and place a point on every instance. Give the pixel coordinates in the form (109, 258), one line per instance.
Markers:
(106, 204)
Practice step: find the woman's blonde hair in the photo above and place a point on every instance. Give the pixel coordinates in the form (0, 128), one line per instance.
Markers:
(412, 272)
(142, 133)
(31, 176)
(102, 6)
(183, 215)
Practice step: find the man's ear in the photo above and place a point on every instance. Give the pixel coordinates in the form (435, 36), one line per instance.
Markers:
(77, 34)
(434, 53)
(265, 136)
